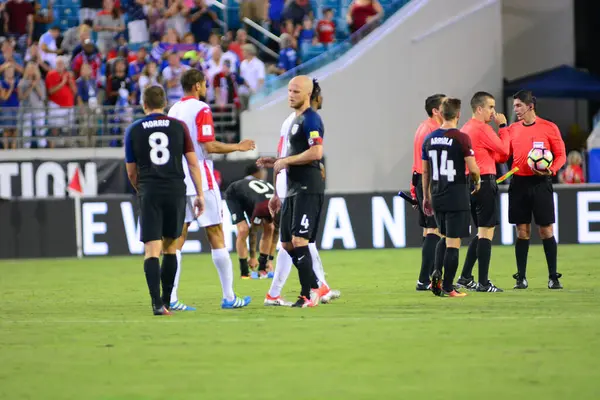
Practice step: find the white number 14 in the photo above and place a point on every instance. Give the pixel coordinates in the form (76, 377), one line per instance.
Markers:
(446, 166)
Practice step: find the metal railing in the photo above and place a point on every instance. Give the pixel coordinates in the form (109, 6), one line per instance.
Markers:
(102, 126)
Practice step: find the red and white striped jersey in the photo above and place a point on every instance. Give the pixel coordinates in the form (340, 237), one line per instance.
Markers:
(198, 118)
(281, 182)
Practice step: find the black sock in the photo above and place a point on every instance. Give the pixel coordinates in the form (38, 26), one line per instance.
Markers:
(244, 269)
(521, 251)
(467, 270)
(484, 254)
(450, 268)
(168, 271)
(262, 262)
(428, 257)
(550, 248)
(152, 271)
(303, 262)
(440, 251)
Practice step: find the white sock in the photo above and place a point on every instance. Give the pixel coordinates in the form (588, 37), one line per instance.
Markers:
(317, 264)
(283, 267)
(177, 274)
(224, 266)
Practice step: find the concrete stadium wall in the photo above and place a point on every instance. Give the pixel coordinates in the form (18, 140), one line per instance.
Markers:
(374, 95)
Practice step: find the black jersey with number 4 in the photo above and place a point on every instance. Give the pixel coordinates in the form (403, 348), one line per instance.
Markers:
(157, 143)
(445, 151)
(249, 192)
(307, 130)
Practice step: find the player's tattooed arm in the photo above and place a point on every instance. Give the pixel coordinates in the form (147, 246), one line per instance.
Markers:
(252, 238)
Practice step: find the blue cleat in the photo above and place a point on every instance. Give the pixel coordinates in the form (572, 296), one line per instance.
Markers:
(262, 275)
(237, 302)
(179, 306)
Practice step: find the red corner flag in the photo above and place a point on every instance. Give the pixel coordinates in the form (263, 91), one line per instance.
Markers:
(75, 184)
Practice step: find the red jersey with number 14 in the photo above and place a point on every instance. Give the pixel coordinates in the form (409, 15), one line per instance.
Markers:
(541, 134)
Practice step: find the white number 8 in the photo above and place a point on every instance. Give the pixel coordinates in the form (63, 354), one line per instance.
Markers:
(159, 153)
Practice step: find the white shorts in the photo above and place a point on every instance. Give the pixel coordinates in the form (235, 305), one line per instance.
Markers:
(213, 209)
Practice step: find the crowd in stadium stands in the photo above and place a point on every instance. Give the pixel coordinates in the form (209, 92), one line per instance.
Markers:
(122, 46)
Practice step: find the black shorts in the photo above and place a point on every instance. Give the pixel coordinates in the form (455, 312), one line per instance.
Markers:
(236, 210)
(485, 204)
(529, 195)
(454, 224)
(424, 220)
(300, 216)
(161, 216)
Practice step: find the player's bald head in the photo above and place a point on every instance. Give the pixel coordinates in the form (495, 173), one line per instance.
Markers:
(303, 82)
(299, 91)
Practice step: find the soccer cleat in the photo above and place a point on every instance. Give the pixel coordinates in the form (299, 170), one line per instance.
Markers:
(262, 275)
(179, 306)
(161, 311)
(246, 277)
(453, 293)
(436, 283)
(303, 302)
(237, 302)
(554, 283)
(276, 301)
(423, 287)
(489, 288)
(521, 282)
(331, 295)
(466, 283)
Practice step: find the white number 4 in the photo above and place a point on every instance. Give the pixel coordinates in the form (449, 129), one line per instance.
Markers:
(304, 222)
(446, 166)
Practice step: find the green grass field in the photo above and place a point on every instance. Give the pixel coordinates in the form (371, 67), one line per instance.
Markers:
(74, 329)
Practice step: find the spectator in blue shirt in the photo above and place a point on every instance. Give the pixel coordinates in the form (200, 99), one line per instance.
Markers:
(136, 67)
(202, 21)
(9, 104)
(137, 26)
(288, 58)
(307, 37)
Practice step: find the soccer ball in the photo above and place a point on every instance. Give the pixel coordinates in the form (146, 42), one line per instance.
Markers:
(540, 159)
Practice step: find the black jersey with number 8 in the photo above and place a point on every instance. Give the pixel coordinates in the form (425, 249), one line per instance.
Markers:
(157, 143)
(445, 151)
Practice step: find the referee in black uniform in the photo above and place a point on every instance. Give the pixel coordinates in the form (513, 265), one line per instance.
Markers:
(305, 187)
(154, 147)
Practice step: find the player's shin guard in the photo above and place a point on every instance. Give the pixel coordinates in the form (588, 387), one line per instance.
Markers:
(484, 254)
(282, 271)
(440, 251)
(450, 268)
(521, 252)
(174, 297)
(152, 271)
(428, 257)
(168, 271)
(467, 270)
(224, 267)
(551, 249)
(317, 264)
(303, 261)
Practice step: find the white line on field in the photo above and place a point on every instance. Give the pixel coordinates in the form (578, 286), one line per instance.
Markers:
(304, 319)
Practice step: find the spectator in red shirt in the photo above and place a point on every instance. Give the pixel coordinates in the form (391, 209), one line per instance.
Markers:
(241, 38)
(61, 89)
(326, 28)
(573, 173)
(363, 12)
(19, 21)
(87, 56)
(225, 86)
